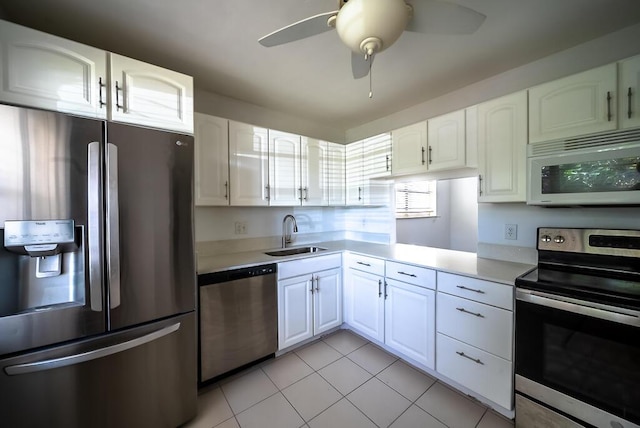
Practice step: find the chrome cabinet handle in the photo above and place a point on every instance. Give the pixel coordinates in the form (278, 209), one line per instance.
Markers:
(475, 360)
(317, 284)
(385, 291)
(226, 190)
(629, 93)
(113, 226)
(312, 279)
(359, 193)
(387, 162)
(423, 156)
(268, 192)
(363, 264)
(379, 288)
(407, 274)
(480, 184)
(118, 106)
(300, 190)
(306, 193)
(70, 360)
(100, 86)
(470, 313)
(609, 116)
(470, 289)
(94, 235)
(429, 156)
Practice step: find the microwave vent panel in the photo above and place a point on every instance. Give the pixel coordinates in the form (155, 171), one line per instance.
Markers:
(603, 140)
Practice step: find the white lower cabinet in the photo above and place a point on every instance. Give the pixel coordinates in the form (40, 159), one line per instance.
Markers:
(409, 316)
(365, 303)
(309, 302)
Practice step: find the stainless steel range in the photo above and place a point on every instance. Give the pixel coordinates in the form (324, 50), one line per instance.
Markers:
(578, 331)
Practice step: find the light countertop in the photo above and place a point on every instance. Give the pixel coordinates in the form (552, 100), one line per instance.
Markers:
(457, 262)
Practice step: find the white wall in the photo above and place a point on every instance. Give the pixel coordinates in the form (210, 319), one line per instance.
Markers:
(229, 108)
(464, 214)
(604, 50)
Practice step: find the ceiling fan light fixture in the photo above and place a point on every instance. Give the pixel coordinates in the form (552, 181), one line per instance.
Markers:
(370, 26)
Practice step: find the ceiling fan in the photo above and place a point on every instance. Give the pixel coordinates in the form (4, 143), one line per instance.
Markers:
(368, 27)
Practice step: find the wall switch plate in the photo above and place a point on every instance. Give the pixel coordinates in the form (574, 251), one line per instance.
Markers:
(511, 231)
(240, 227)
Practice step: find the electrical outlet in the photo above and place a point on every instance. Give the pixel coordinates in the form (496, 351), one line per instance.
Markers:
(240, 227)
(511, 231)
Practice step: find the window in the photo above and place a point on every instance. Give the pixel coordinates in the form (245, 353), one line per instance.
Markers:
(416, 199)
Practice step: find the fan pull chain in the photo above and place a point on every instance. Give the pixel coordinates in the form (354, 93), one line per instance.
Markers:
(370, 59)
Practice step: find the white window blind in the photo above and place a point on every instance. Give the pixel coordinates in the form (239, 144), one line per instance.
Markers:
(416, 199)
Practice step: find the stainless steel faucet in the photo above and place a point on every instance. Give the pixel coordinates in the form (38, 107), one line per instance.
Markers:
(286, 237)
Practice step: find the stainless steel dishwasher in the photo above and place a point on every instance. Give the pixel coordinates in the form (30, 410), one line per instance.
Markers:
(238, 320)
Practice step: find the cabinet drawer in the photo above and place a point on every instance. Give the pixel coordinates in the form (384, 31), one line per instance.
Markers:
(482, 326)
(486, 374)
(365, 264)
(308, 265)
(415, 275)
(493, 293)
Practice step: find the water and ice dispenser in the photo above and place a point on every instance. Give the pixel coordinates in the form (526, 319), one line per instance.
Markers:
(41, 265)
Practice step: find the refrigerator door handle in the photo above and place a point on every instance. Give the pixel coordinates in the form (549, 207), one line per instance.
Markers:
(113, 226)
(94, 196)
(69, 360)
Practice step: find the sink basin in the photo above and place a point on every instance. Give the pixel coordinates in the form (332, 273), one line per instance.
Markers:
(293, 251)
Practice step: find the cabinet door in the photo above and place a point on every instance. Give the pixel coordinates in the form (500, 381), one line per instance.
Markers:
(629, 99)
(284, 169)
(211, 160)
(145, 94)
(336, 174)
(248, 165)
(314, 158)
(410, 321)
(580, 104)
(355, 179)
(446, 139)
(366, 304)
(376, 156)
(295, 308)
(409, 149)
(502, 144)
(48, 72)
(327, 300)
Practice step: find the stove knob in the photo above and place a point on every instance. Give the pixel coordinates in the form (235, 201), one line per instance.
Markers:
(545, 238)
(558, 239)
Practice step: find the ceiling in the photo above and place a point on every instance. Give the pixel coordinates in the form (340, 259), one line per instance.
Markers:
(216, 42)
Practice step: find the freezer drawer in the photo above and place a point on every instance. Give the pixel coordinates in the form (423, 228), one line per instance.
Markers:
(141, 377)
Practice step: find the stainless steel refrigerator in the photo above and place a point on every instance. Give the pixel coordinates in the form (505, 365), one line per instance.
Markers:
(97, 273)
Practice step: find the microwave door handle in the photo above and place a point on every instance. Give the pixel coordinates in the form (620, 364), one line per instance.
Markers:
(113, 226)
(94, 198)
(605, 312)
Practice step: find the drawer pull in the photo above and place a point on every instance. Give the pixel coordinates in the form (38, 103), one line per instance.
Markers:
(408, 274)
(470, 289)
(470, 313)
(475, 360)
(363, 264)
(379, 288)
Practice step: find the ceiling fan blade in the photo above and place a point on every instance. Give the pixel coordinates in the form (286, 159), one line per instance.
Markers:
(360, 66)
(298, 30)
(441, 17)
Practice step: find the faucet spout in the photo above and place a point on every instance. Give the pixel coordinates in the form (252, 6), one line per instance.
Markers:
(286, 237)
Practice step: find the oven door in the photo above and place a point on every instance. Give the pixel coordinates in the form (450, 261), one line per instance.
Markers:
(580, 359)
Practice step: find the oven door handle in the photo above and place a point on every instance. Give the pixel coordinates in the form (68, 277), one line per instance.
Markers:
(597, 310)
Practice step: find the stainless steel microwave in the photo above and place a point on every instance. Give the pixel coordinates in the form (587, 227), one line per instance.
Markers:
(586, 171)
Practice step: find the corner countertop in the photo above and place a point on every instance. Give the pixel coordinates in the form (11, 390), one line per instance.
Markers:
(456, 262)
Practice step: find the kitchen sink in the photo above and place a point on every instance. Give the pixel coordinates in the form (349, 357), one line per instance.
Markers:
(293, 251)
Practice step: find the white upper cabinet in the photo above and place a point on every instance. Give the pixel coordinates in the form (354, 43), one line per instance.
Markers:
(355, 178)
(580, 104)
(471, 125)
(314, 160)
(148, 95)
(284, 169)
(48, 72)
(248, 165)
(211, 136)
(336, 173)
(502, 144)
(628, 97)
(376, 156)
(410, 149)
(446, 141)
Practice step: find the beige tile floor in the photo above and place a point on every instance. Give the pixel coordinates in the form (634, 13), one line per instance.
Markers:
(340, 381)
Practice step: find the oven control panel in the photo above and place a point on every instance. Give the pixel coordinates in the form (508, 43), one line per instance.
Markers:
(614, 242)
